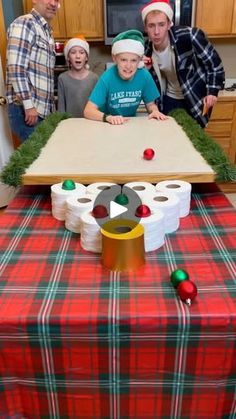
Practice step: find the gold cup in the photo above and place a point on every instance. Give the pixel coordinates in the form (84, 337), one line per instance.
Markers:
(122, 245)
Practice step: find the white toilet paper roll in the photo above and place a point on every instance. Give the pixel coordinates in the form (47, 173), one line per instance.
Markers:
(90, 233)
(141, 188)
(154, 230)
(59, 197)
(97, 187)
(169, 203)
(56, 190)
(76, 205)
(182, 189)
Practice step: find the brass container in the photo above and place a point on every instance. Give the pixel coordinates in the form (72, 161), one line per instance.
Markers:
(122, 245)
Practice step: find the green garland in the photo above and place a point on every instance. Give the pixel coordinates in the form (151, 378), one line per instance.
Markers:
(206, 146)
(28, 151)
(22, 158)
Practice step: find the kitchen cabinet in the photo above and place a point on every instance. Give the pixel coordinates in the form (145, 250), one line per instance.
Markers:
(222, 125)
(58, 23)
(85, 17)
(222, 128)
(217, 18)
(77, 16)
(234, 19)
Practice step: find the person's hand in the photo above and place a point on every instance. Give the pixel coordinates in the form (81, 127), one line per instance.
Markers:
(31, 117)
(147, 62)
(209, 101)
(157, 115)
(116, 119)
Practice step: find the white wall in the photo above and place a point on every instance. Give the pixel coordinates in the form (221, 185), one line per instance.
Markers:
(227, 51)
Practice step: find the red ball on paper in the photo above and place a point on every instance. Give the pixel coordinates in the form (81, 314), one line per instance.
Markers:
(99, 211)
(143, 211)
(148, 154)
(187, 291)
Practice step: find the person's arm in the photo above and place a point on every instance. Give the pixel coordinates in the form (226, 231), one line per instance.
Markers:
(61, 96)
(98, 102)
(149, 95)
(154, 112)
(212, 64)
(20, 41)
(91, 111)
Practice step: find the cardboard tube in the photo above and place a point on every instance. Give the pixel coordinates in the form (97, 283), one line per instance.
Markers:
(122, 245)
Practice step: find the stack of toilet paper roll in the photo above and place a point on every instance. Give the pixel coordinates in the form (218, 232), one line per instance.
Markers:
(180, 188)
(90, 233)
(97, 187)
(59, 197)
(167, 200)
(154, 230)
(76, 206)
(141, 188)
(169, 204)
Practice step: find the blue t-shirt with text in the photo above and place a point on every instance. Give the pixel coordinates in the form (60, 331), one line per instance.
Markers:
(116, 96)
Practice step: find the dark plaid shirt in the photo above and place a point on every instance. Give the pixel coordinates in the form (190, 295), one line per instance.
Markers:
(198, 66)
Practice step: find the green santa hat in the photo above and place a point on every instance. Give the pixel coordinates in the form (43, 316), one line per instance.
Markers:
(128, 41)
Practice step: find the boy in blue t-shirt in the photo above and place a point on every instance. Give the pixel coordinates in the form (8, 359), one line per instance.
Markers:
(122, 87)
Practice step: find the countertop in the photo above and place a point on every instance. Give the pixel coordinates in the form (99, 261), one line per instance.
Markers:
(226, 95)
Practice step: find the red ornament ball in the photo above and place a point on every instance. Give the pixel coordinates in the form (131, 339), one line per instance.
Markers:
(148, 60)
(99, 211)
(187, 291)
(148, 154)
(142, 211)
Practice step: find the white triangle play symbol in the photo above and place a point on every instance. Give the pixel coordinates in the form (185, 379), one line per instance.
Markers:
(116, 209)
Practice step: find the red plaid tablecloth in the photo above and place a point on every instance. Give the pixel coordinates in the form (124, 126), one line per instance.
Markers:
(77, 341)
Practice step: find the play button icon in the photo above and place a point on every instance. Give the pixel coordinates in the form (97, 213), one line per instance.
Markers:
(116, 202)
(116, 209)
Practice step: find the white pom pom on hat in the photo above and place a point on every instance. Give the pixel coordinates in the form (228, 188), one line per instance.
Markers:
(78, 41)
(158, 5)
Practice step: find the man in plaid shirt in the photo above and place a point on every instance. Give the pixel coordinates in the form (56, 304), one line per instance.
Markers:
(183, 63)
(30, 68)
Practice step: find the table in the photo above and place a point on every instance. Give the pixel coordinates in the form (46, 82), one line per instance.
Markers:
(90, 151)
(78, 341)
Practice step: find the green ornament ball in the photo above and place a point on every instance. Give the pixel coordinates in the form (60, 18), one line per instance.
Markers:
(68, 185)
(178, 276)
(122, 199)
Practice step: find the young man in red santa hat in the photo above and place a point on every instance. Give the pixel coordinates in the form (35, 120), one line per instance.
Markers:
(183, 63)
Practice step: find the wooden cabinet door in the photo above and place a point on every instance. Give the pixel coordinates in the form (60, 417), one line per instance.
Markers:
(234, 19)
(58, 23)
(84, 17)
(222, 126)
(215, 17)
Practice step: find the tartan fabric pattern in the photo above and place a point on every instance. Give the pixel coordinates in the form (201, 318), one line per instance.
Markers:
(78, 341)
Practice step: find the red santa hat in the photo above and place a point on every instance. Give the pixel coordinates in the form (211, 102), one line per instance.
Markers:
(159, 5)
